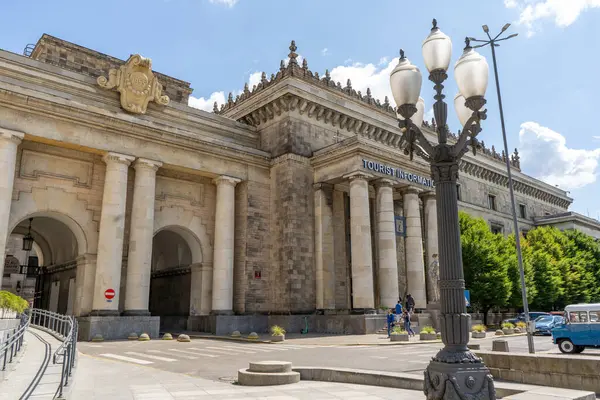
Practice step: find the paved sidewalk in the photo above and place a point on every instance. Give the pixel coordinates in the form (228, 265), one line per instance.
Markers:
(29, 365)
(101, 379)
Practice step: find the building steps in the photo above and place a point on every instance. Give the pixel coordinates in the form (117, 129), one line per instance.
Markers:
(267, 373)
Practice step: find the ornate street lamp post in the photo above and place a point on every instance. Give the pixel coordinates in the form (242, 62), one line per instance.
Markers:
(455, 372)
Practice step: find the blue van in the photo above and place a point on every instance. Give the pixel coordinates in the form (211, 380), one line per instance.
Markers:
(580, 329)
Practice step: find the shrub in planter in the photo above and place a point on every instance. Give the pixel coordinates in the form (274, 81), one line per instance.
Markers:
(398, 335)
(277, 333)
(499, 333)
(478, 331)
(517, 330)
(427, 333)
(11, 304)
(521, 325)
(508, 328)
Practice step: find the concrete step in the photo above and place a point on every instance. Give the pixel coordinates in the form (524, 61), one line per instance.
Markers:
(270, 367)
(247, 378)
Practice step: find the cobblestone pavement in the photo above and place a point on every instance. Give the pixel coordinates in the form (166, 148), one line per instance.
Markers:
(101, 378)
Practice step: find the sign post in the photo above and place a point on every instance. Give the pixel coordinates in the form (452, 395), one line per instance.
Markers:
(109, 294)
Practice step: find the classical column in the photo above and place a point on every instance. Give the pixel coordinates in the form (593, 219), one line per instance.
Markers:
(386, 244)
(84, 284)
(361, 251)
(415, 268)
(9, 140)
(110, 237)
(433, 267)
(324, 250)
(222, 290)
(141, 232)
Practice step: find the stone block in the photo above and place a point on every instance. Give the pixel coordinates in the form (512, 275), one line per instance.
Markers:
(247, 378)
(581, 365)
(500, 345)
(113, 328)
(511, 375)
(472, 346)
(523, 362)
(270, 366)
(589, 382)
(552, 364)
(403, 337)
(478, 335)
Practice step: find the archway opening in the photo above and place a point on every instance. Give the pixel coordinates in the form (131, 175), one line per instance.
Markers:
(171, 279)
(44, 274)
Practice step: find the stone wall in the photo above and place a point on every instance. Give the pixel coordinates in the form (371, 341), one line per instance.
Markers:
(571, 372)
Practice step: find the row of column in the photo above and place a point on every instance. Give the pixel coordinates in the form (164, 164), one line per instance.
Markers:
(110, 241)
(112, 226)
(361, 243)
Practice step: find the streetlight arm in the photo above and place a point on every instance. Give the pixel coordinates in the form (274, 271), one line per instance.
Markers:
(469, 133)
(413, 136)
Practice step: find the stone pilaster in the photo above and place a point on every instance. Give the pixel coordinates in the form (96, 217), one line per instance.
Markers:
(361, 250)
(342, 269)
(141, 232)
(415, 268)
(324, 250)
(110, 238)
(9, 141)
(84, 284)
(431, 249)
(386, 244)
(222, 279)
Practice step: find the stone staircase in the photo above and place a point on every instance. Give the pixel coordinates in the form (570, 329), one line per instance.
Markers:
(267, 373)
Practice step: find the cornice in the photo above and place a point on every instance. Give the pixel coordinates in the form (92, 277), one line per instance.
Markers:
(500, 179)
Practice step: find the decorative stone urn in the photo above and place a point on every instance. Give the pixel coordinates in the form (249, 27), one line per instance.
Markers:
(399, 337)
(478, 335)
(278, 338)
(508, 331)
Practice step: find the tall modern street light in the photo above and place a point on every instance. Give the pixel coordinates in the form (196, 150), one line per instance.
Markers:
(455, 372)
(493, 44)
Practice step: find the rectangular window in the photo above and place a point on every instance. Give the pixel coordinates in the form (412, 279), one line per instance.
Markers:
(491, 202)
(495, 228)
(594, 316)
(522, 211)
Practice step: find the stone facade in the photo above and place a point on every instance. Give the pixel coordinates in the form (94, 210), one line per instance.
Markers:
(295, 198)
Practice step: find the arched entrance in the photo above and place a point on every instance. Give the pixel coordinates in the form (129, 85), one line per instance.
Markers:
(171, 279)
(44, 273)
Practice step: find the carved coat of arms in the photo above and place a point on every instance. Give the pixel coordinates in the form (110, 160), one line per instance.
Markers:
(136, 83)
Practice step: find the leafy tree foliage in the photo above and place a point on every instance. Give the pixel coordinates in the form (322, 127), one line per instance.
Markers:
(560, 267)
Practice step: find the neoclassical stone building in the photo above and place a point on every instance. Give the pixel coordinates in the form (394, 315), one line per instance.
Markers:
(292, 203)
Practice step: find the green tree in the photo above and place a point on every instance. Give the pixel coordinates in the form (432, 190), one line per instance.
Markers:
(581, 266)
(486, 272)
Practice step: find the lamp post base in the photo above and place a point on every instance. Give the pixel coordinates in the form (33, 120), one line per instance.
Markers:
(459, 381)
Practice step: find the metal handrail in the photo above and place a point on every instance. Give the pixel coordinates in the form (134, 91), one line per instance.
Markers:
(64, 328)
(14, 342)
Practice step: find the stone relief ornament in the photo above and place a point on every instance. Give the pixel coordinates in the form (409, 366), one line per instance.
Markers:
(136, 83)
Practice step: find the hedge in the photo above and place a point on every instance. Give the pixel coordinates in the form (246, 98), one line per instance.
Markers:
(12, 302)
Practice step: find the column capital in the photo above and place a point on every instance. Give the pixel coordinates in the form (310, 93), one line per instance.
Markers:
(323, 186)
(384, 182)
(111, 158)
(357, 175)
(10, 135)
(144, 163)
(428, 195)
(410, 190)
(226, 180)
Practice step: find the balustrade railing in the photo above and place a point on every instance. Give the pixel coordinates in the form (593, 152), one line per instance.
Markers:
(13, 343)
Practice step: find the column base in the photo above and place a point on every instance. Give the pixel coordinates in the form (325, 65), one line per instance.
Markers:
(449, 381)
(363, 311)
(105, 313)
(222, 312)
(135, 313)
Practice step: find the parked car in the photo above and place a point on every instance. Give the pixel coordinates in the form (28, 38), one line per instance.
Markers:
(545, 324)
(580, 330)
(533, 315)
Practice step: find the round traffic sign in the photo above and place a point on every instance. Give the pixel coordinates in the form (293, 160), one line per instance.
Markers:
(109, 294)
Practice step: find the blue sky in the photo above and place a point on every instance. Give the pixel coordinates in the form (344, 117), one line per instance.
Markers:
(547, 73)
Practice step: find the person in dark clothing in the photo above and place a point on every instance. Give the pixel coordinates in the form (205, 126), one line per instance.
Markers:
(407, 326)
(410, 303)
(399, 312)
(390, 321)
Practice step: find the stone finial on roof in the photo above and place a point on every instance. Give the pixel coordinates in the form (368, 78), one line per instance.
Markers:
(246, 91)
(386, 102)
(263, 78)
(230, 99)
(281, 65)
(216, 108)
(348, 84)
(272, 77)
(304, 64)
(293, 55)
(327, 78)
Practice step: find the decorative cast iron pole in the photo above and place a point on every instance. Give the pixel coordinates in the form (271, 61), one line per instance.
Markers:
(455, 372)
(492, 43)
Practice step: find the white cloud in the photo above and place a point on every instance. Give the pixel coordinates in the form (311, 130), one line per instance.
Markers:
(363, 76)
(563, 12)
(596, 137)
(383, 61)
(428, 116)
(325, 51)
(206, 104)
(545, 155)
(228, 3)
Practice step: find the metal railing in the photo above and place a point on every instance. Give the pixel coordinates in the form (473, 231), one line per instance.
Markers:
(13, 343)
(63, 328)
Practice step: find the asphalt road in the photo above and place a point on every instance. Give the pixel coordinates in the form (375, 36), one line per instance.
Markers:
(220, 360)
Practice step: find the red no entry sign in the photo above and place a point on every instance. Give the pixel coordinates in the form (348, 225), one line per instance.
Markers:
(109, 294)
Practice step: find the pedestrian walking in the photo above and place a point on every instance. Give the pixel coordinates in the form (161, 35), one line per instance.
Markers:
(399, 312)
(390, 321)
(407, 327)
(410, 303)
